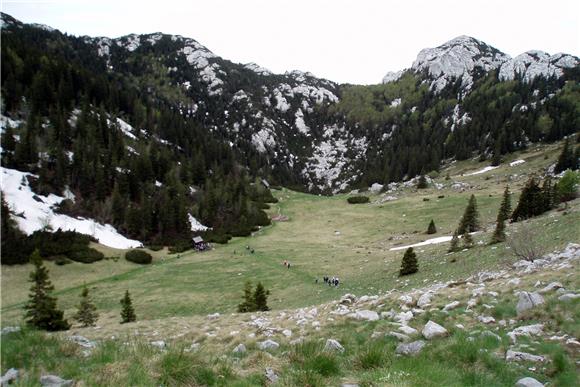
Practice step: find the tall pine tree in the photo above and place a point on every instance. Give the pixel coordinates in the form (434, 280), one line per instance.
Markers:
(470, 220)
(41, 310)
(87, 311)
(127, 311)
(502, 215)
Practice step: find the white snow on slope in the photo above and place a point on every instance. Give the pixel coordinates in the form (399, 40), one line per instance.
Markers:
(38, 213)
(483, 170)
(532, 64)
(124, 127)
(432, 241)
(517, 162)
(195, 224)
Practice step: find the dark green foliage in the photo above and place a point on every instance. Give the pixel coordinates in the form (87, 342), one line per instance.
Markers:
(454, 244)
(422, 182)
(261, 298)
(358, 199)
(180, 246)
(127, 310)
(467, 240)
(248, 304)
(567, 159)
(567, 187)
(41, 310)
(502, 215)
(68, 244)
(155, 247)
(431, 229)
(531, 202)
(138, 256)
(87, 311)
(256, 301)
(470, 220)
(409, 264)
(16, 248)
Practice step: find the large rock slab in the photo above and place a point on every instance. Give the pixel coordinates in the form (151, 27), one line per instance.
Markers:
(54, 381)
(528, 301)
(11, 376)
(366, 315)
(240, 348)
(528, 382)
(523, 356)
(433, 330)
(551, 287)
(424, 300)
(271, 375)
(348, 299)
(451, 306)
(527, 330)
(568, 297)
(410, 349)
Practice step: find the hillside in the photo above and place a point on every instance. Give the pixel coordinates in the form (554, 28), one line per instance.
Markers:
(187, 328)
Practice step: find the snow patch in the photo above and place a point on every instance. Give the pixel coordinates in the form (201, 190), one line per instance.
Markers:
(35, 212)
(483, 170)
(195, 224)
(517, 162)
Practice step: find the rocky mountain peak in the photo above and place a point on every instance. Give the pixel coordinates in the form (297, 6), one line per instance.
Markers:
(458, 58)
(534, 63)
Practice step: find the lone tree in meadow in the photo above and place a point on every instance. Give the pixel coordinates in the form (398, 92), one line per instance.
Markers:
(261, 298)
(409, 264)
(248, 304)
(454, 246)
(127, 311)
(470, 220)
(41, 311)
(87, 312)
(502, 215)
(431, 229)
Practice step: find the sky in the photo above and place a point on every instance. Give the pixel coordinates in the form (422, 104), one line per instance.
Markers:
(345, 41)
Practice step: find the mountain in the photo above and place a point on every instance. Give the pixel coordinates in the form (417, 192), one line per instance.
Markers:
(158, 129)
(465, 58)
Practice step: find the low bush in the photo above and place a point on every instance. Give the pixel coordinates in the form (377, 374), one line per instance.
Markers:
(86, 256)
(358, 199)
(155, 247)
(179, 247)
(138, 256)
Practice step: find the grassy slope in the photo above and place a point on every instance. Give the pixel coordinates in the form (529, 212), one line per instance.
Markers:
(173, 295)
(360, 256)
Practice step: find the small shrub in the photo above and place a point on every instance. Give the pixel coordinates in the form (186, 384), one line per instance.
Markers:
(358, 199)
(127, 311)
(431, 229)
(524, 243)
(179, 247)
(86, 256)
(155, 247)
(176, 369)
(138, 256)
(374, 356)
(409, 264)
(61, 260)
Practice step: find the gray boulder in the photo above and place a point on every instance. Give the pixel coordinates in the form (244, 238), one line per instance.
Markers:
(240, 348)
(54, 381)
(333, 345)
(11, 376)
(527, 330)
(528, 382)
(528, 301)
(348, 299)
(433, 330)
(271, 375)
(399, 336)
(7, 330)
(408, 330)
(159, 344)
(451, 306)
(366, 315)
(410, 349)
(551, 287)
(568, 297)
(268, 344)
(424, 300)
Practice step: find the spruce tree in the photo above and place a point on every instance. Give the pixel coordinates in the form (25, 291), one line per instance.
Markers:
(502, 215)
(454, 246)
(87, 314)
(566, 159)
(261, 298)
(548, 201)
(127, 312)
(431, 229)
(41, 311)
(531, 202)
(248, 304)
(470, 219)
(409, 264)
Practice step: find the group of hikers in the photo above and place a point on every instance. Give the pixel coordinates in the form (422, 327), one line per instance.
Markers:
(331, 281)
